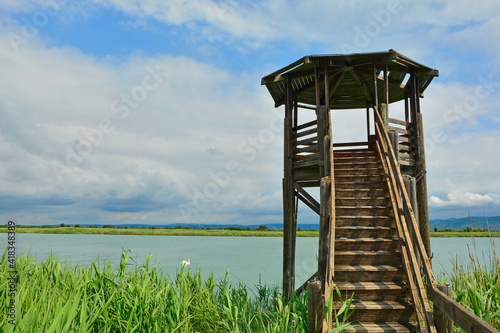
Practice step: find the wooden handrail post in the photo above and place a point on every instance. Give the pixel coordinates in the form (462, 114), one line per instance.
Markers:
(443, 323)
(315, 306)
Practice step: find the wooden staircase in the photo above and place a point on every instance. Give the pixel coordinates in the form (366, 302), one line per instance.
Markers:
(367, 256)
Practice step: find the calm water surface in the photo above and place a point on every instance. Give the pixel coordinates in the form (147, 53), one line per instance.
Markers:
(252, 260)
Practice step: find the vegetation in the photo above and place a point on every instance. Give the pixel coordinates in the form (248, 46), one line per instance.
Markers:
(261, 231)
(178, 231)
(477, 287)
(51, 297)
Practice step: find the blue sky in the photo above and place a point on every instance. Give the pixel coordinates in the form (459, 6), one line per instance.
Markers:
(120, 111)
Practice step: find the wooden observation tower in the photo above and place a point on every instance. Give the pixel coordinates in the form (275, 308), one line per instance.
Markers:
(372, 206)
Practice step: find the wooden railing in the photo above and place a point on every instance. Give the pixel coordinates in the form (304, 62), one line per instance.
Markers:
(413, 251)
(406, 142)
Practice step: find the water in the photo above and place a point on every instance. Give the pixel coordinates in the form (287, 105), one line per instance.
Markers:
(251, 260)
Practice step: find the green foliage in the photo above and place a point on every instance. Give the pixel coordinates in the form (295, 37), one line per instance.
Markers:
(478, 289)
(51, 297)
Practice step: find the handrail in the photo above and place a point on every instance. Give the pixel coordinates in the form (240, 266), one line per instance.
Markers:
(408, 227)
(422, 308)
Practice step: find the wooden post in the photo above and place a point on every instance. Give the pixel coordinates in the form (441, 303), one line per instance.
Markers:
(384, 115)
(315, 306)
(423, 208)
(324, 232)
(394, 136)
(443, 323)
(289, 229)
(322, 131)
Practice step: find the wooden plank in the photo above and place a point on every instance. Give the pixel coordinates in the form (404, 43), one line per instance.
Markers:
(307, 132)
(397, 121)
(397, 129)
(312, 160)
(311, 140)
(310, 149)
(350, 144)
(305, 125)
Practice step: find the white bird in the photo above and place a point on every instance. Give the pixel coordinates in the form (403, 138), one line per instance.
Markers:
(186, 262)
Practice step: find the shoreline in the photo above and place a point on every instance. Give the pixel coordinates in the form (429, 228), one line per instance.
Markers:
(209, 232)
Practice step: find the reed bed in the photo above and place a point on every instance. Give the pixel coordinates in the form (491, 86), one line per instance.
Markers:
(52, 297)
(477, 287)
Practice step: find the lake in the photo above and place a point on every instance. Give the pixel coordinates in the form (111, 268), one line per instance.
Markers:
(251, 260)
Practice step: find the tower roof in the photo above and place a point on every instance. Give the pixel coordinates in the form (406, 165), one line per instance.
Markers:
(350, 78)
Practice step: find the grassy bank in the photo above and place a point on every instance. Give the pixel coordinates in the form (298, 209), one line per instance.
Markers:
(159, 232)
(205, 232)
(55, 298)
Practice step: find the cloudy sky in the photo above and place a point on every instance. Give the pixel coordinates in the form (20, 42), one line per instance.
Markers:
(124, 111)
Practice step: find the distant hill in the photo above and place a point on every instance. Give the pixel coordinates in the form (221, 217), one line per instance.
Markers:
(462, 223)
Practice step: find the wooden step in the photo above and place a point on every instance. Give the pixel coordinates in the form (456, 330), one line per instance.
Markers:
(380, 185)
(380, 311)
(379, 327)
(364, 244)
(368, 273)
(363, 211)
(360, 192)
(356, 171)
(364, 232)
(372, 291)
(362, 201)
(358, 257)
(354, 152)
(361, 178)
(365, 221)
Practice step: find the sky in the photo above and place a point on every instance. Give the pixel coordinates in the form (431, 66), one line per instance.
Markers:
(152, 112)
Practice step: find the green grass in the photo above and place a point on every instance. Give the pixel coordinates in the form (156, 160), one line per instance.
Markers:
(206, 232)
(158, 231)
(52, 297)
(465, 233)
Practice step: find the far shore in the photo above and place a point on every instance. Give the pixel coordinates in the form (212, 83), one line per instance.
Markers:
(206, 232)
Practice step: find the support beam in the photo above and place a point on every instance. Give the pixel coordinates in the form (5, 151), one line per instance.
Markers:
(307, 198)
(423, 208)
(289, 218)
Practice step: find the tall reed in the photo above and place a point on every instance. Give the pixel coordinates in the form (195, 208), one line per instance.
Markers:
(477, 287)
(51, 297)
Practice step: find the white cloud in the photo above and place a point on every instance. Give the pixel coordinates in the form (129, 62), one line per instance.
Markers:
(154, 158)
(466, 199)
(163, 150)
